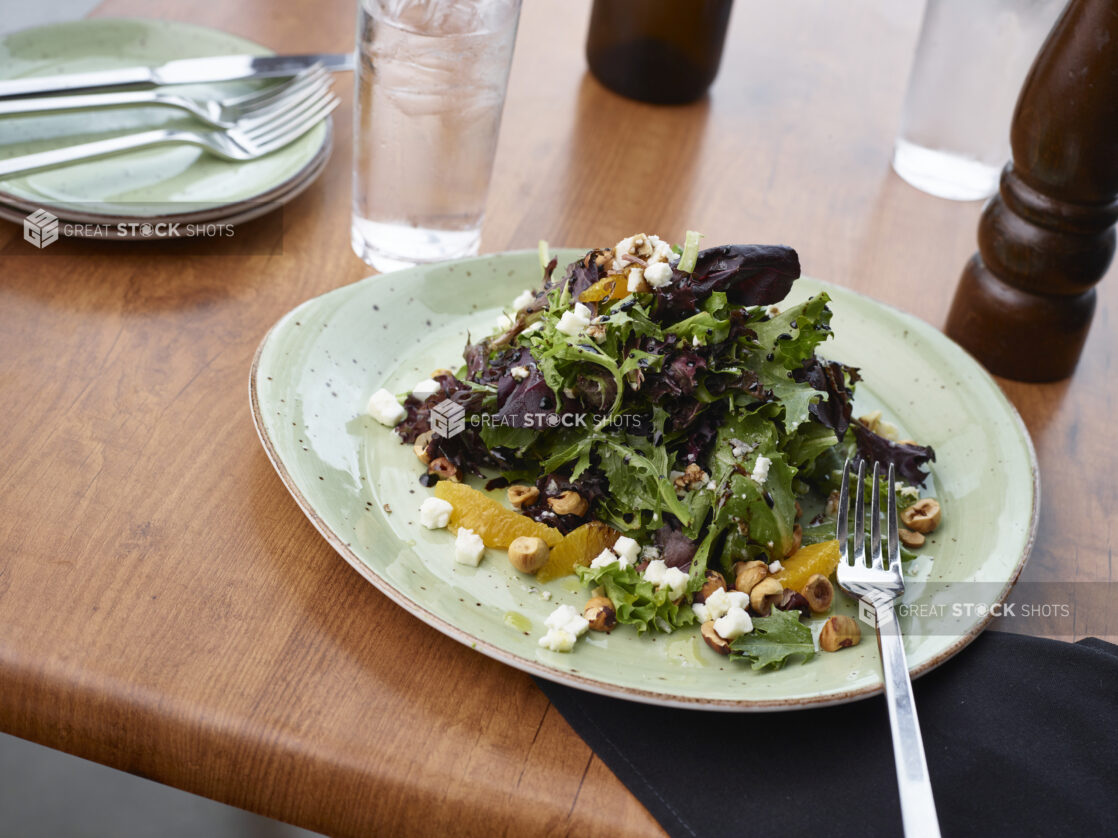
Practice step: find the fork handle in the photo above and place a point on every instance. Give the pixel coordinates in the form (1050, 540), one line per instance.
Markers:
(86, 151)
(918, 807)
(87, 101)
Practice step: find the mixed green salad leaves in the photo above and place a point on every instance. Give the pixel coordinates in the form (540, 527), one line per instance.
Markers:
(692, 415)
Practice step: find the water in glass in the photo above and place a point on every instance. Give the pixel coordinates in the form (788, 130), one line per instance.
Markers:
(431, 78)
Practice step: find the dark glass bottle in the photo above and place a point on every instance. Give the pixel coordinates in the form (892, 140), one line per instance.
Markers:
(661, 51)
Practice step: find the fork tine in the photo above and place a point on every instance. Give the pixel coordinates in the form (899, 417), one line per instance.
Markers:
(275, 114)
(843, 514)
(302, 89)
(891, 523)
(860, 517)
(305, 124)
(875, 519)
(256, 98)
(278, 124)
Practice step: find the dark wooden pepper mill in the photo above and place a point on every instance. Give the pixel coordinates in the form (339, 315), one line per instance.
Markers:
(1025, 301)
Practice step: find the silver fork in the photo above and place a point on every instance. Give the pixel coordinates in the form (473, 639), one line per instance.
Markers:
(247, 141)
(879, 586)
(218, 113)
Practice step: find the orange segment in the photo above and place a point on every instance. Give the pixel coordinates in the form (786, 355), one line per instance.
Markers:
(497, 525)
(579, 546)
(806, 562)
(613, 287)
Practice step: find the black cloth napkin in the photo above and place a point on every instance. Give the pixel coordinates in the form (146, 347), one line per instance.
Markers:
(1021, 735)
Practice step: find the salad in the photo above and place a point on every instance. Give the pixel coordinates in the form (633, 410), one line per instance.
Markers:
(668, 433)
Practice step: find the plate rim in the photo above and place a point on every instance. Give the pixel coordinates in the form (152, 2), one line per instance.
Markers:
(319, 158)
(239, 215)
(577, 679)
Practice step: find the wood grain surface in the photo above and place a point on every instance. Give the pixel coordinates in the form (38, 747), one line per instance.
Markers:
(167, 610)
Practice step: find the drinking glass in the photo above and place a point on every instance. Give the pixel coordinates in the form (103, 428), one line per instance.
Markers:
(971, 60)
(431, 78)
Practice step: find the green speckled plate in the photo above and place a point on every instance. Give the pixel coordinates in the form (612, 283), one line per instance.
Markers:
(165, 181)
(318, 365)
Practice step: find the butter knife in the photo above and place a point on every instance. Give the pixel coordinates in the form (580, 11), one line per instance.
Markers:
(183, 71)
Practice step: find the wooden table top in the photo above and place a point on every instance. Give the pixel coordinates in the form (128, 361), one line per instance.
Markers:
(166, 609)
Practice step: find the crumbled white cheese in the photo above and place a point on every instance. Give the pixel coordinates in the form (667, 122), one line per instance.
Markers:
(661, 576)
(633, 282)
(627, 548)
(532, 327)
(564, 626)
(523, 299)
(761, 469)
(711, 486)
(717, 604)
(675, 580)
(739, 448)
(737, 599)
(573, 322)
(604, 559)
(558, 640)
(519, 373)
(425, 389)
(733, 624)
(434, 513)
(695, 342)
(562, 615)
(504, 322)
(468, 547)
(385, 409)
(775, 567)
(658, 274)
(655, 571)
(909, 492)
(650, 552)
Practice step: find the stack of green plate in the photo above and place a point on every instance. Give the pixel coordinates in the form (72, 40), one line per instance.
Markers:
(177, 183)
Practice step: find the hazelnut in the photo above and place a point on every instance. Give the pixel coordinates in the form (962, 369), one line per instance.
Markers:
(444, 468)
(713, 580)
(420, 447)
(819, 593)
(794, 601)
(528, 553)
(521, 496)
(923, 516)
(714, 639)
(872, 421)
(748, 574)
(838, 633)
(600, 613)
(568, 503)
(797, 540)
(765, 595)
(831, 509)
(910, 539)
